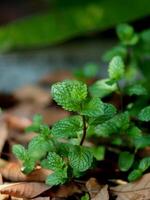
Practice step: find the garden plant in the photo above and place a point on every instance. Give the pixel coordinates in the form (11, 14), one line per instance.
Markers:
(108, 117)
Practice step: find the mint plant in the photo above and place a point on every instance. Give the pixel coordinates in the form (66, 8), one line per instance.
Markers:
(95, 117)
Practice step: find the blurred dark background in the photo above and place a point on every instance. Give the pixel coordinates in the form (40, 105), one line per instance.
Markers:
(40, 36)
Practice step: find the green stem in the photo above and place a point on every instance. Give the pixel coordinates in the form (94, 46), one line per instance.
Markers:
(84, 130)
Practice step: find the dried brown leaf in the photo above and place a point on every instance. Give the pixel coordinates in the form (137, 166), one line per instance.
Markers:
(138, 190)
(24, 189)
(65, 191)
(93, 187)
(17, 122)
(50, 114)
(12, 172)
(56, 76)
(102, 194)
(33, 94)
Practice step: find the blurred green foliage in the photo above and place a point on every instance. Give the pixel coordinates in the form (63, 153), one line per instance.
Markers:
(67, 19)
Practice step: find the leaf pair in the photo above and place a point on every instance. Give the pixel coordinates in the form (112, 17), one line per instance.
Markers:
(72, 95)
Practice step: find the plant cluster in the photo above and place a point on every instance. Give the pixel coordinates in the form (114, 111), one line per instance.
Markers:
(95, 116)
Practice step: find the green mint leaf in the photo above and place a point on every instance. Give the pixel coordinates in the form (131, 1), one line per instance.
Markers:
(53, 162)
(137, 89)
(64, 148)
(117, 124)
(109, 112)
(57, 178)
(101, 88)
(98, 152)
(144, 115)
(116, 68)
(134, 175)
(68, 127)
(92, 108)
(45, 130)
(126, 160)
(127, 35)
(19, 151)
(80, 158)
(69, 94)
(144, 164)
(38, 147)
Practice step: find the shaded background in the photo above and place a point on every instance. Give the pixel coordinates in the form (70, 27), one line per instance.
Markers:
(40, 36)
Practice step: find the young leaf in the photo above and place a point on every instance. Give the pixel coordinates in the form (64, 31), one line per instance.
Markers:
(19, 151)
(144, 115)
(126, 34)
(134, 175)
(126, 160)
(80, 158)
(92, 108)
(69, 94)
(68, 127)
(53, 162)
(38, 147)
(101, 88)
(35, 127)
(58, 177)
(116, 68)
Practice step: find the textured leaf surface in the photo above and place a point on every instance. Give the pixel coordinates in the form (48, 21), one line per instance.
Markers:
(144, 115)
(68, 127)
(93, 108)
(58, 177)
(116, 68)
(69, 94)
(24, 189)
(116, 124)
(53, 161)
(19, 151)
(109, 112)
(80, 159)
